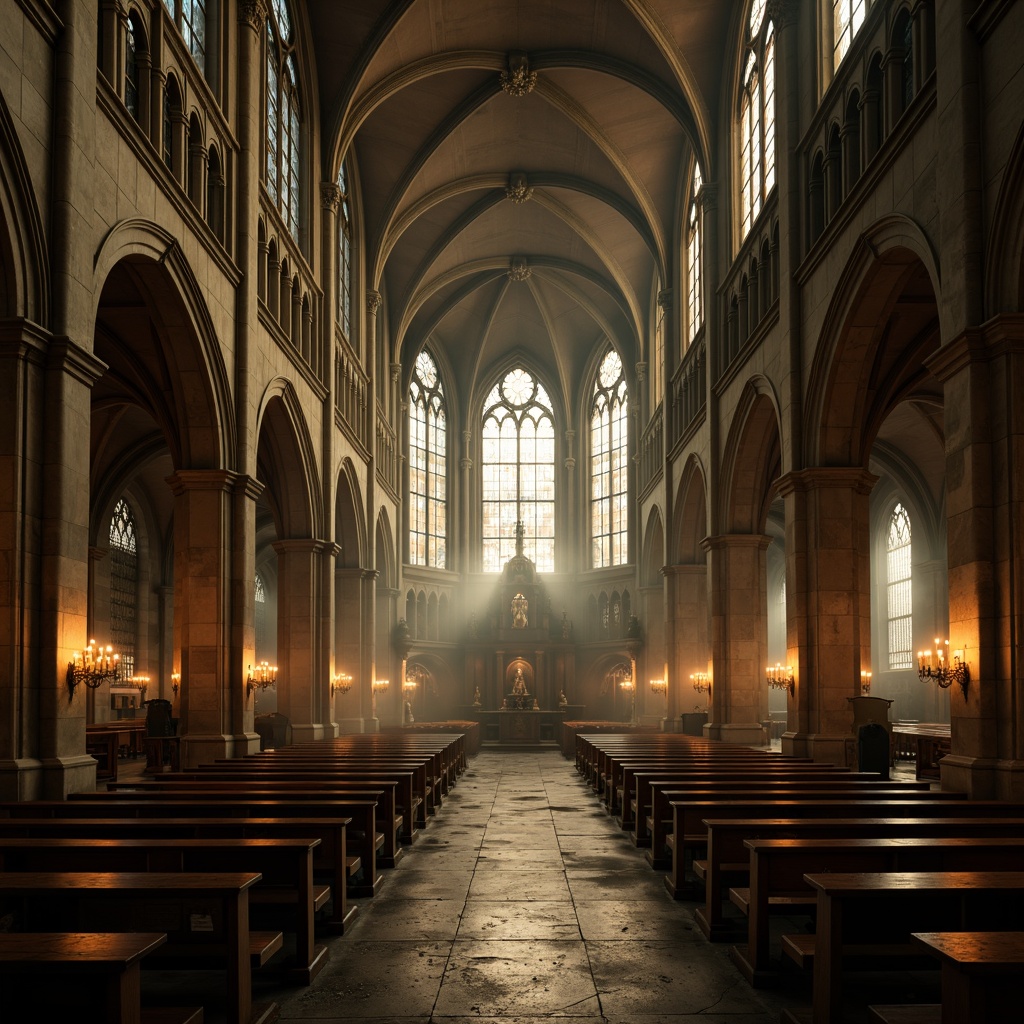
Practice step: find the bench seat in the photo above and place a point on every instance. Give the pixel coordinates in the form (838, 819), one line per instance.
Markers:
(800, 949)
(912, 1013)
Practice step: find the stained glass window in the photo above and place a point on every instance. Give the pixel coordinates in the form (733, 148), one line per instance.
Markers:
(847, 18)
(124, 585)
(899, 591)
(191, 18)
(518, 471)
(757, 117)
(131, 72)
(344, 258)
(283, 125)
(428, 522)
(260, 623)
(694, 258)
(609, 466)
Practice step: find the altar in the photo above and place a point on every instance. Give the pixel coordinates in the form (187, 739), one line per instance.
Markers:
(516, 726)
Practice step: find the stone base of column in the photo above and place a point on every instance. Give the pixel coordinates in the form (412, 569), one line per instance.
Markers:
(749, 733)
(55, 777)
(307, 733)
(983, 778)
(354, 726)
(22, 779)
(820, 747)
(197, 749)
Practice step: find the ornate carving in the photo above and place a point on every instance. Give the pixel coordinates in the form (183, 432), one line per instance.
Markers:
(518, 79)
(519, 270)
(330, 196)
(665, 298)
(518, 189)
(709, 197)
(252, 13)
(396, 372)
(373, 301)
(641, 372)
(783, 12)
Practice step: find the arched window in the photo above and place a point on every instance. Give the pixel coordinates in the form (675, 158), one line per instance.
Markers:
(344, 258)
(131, 68)
(124, 585)
(428, 520)
(757, 117)
(898, 589)
(518, 465)
(847, 18)
(694, 257)
(260, 623)
(283, 154)
(609, 465)
(191, 17)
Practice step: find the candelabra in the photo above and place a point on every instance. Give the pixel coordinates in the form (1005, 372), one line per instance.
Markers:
(261, 677)
(780, 677)
(659, 687)
(140, 683)
(701, 682)
(175, 682)
(92, 666)
(341, 683)
(865, 682)
(935, 665)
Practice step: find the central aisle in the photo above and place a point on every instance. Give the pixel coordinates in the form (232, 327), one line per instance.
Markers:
(524, 900)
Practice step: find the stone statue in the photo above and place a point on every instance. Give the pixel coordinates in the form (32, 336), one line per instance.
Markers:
(519, 683)
(476, 697)
(408, 713)
(519, 609)
(562, 699)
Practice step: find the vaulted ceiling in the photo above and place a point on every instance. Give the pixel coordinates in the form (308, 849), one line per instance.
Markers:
(521, 167)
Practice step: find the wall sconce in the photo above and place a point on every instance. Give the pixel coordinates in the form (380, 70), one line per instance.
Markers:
(175, 682)
(140, 683)
(92, 666)
(381, 685)
(261, 677)
(780, 677)
(701, 682)
(865, 682)
(659, 687)
(936, 665)
(341, 683)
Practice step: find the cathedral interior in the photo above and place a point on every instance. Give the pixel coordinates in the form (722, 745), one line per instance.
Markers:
(360, 359)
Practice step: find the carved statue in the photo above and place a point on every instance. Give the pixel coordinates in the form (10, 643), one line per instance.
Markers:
(519, 609)
(562, 699)
(519, 683)
(476, 697)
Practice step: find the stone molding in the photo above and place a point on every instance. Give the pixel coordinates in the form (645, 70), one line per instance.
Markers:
(518, 80)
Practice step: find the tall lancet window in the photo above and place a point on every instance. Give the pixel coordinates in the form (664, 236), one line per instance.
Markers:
(757, 117)
(898, 587)
(847, 18)
(518, 469)
(124, 585)
(609, 465)
(694, 258)
(344, 258)
(260, 623)
(283, 121)
(428, 520)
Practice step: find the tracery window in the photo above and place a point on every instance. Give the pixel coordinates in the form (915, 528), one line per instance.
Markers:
(694, 257)
(191, 18)
(260, 619)
(428, 520)
(283, 121)
(518, 470)
(899, 592)
(757, 117)
(131, 69)
(609, 465)
(847, 18)
(124, 585)
(344, 258)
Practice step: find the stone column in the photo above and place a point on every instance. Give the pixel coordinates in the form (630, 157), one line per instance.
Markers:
(165, 625)
(466, 466)
(350, 641)
(828, 604)
(302, 687)
(214, 611)
(689, 652)
(739, 702)
(982, 373)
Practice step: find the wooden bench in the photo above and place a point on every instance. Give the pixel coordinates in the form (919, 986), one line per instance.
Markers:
(872, 914)
(981, 974)
(62, 894)
(45, 975)
(689, 832)
(777, 868)
(331, 861)
(358, 812)
(285, 866)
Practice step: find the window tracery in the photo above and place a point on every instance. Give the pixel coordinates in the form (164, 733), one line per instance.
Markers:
(609, 465)
(428, 525)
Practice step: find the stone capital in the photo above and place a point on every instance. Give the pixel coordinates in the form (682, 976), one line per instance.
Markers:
(64, 354)
(851, 478)
(734, 541)
(1003, 335)
(252, 13)
(373, 301)
(783, 13)
(330, 196)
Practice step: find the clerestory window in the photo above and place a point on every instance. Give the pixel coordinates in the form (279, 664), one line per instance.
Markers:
(609, 465)
(428, 520)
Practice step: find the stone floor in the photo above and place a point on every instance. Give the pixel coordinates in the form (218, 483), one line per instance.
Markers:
(520, 902)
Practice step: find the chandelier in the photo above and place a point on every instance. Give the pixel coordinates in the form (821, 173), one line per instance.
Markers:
(936, 665)
(92, 666)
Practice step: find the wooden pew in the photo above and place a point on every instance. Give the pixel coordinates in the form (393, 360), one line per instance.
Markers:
(981, 974)
(331, 861)
(655, 796)
(285, 867)
(873, 914)
(689, 831)
(360, 812)
(778, 866)
(48, 974)
(64, 892)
